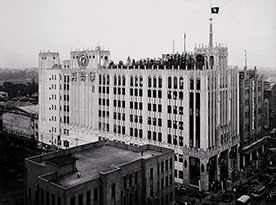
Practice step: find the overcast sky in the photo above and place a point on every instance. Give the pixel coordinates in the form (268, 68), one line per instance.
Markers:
(135, 28)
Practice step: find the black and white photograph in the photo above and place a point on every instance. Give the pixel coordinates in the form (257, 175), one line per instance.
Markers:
(138, 102)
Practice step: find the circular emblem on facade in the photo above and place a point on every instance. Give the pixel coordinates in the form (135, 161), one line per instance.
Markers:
(83, 59)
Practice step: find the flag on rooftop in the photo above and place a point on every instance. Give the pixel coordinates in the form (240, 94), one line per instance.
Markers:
(214, 10)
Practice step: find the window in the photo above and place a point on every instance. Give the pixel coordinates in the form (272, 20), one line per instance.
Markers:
(159, 137)
(159, 94)
(191, 84)
(141, 81)
(149, 81)
(169, 139)
(169, 109)
(159, 108)
(96, 194)
(180, 159)
(149, 135)
(180, 174)
(159, 122)
(181, 83)
(180, 141)
(169, 82)
(81, 199)
(175, 82)
(113, 190)
(169, 124)
(88, 197)
(198, 83)
(149, 93)
(72, 200)
(131, 81)
(154, 82)
(175, 140)
(160, 82)
(151, 173)
(124, 80)
(149, 107)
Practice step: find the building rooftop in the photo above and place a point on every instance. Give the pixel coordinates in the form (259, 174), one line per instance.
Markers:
(104, 157)
(32, 109)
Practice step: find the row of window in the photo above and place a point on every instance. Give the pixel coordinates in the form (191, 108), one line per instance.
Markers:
(53, 97)
(119, 116)
(173, 124)
(104, 79)
(103, 113)
(173, 95)
(137, 92)
(152, 82)
(119, 103)
(80, 198)
(103, 126)
(136, 105)
(66, 97)
(175, 83)
(66, 78)
(175, 140)
(164, 165)
(104, 90)
(154, 121)
(153, 93)
(173, 110)
(103, 101)
(178, 174)
(155, 136)
(134, 118)
(178, 157)
(119, 129)
(134, 132)
(66, 86)
(154, 107)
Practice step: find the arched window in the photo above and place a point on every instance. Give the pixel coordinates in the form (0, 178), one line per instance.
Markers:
(103, 79)
(211, 61)
(115, 80)
(154, 82)
(124, 80)
(149, 81)
(175, 83)
(160, 82)
(136, 80)
(131, 80)
(181, 83)
(100, 79)
(198, 83)
(107, 79)
(119, 80)
(141, 81)
(169, 82)
(191, 84)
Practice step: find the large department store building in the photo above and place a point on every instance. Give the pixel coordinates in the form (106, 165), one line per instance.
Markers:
(188, 102)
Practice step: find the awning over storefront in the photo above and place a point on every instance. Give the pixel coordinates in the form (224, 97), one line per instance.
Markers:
(254, 146)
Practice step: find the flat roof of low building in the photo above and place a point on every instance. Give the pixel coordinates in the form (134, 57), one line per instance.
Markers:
(103, 158)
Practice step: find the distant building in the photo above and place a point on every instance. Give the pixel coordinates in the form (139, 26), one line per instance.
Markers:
(251, 87)
(103, 172)
(270, 99)
(21, 122)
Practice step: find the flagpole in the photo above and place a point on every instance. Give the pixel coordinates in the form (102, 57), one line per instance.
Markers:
(184, 47)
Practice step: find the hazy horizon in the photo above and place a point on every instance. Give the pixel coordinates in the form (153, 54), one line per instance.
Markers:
(138, 29)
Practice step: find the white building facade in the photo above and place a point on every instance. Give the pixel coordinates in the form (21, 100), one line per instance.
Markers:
(188, 102)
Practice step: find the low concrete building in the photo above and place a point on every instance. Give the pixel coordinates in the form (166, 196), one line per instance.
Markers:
(103, 172)
(21, 122)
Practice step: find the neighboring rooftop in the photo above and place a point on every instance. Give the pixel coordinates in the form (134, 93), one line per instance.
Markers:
(97, 157)
(32, 109)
